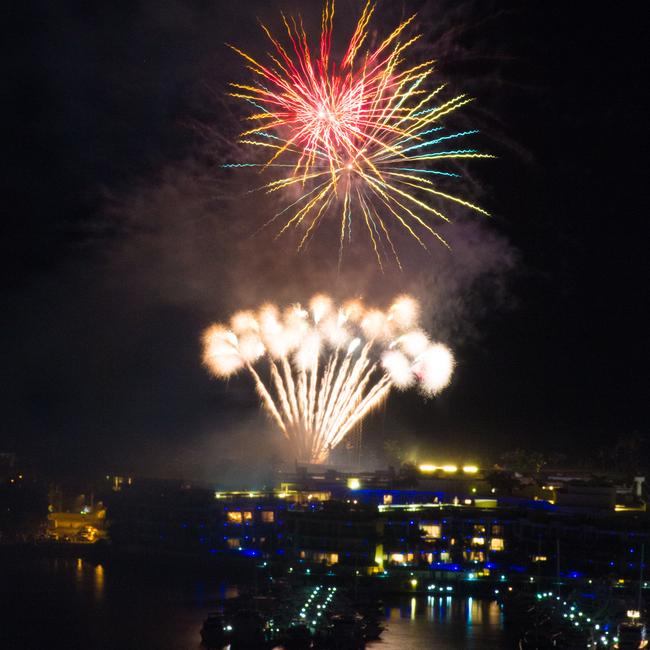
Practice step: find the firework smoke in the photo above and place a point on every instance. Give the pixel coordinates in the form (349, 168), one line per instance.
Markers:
(327, 366)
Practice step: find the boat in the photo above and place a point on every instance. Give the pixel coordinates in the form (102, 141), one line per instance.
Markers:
(215, 631)
(631, 636)
(345, 632)
(297, 637)
(247, 629)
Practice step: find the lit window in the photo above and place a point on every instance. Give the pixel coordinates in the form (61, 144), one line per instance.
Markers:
(333, 558)
(478, 541)
(248, 515)
(234, 542)
(497, 544)
(388, 499)
(478, 529)
(444, 556)
(268, 516)
(497, 530)
(539, 558)
(234, 517)
(431, 531)
(397, 557)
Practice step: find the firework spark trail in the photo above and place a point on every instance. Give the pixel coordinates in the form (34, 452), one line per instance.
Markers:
(327, 367)
(363, 131)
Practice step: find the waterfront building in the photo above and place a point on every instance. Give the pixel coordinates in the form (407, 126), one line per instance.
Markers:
(451, 525)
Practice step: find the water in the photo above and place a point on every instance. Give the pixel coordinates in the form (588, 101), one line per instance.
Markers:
(72, 604)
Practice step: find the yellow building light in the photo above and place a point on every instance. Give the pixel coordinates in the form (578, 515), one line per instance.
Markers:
(450, 469)
(379, 556)
(470, 469)
(431, 531)
(354, 483)
(428, 468)
(414, 583)
(497, 544)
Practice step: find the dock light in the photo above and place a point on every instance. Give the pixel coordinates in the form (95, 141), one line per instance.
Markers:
(428, 468)
(450, 469)
(354, 483)
(414, 583)
(470, 469)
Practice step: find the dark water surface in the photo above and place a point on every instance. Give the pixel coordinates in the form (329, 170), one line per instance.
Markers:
(48, 603)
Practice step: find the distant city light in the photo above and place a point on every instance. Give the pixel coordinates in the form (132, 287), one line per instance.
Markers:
(449, 468)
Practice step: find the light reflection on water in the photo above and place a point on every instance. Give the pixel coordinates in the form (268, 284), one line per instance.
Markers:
(444, 623)
(104, 606)
(98, 582)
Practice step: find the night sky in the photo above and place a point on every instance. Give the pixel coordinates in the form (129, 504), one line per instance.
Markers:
(123, 238)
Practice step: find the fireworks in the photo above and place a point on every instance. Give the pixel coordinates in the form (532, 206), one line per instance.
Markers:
(319, 371)
(358, 137)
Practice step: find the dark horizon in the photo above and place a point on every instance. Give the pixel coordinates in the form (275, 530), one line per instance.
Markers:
(123, 241)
